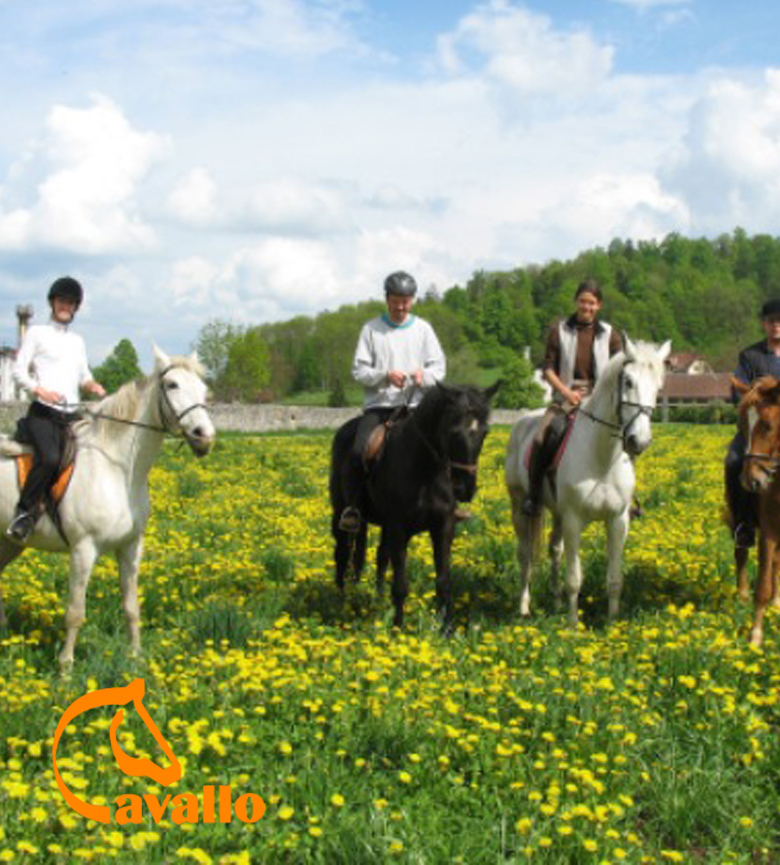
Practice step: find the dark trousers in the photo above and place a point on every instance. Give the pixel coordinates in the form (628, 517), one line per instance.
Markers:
(742, 504)
(354, 477)
(46, 429)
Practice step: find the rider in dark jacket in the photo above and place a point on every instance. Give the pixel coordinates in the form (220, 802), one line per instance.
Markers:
(761, 358)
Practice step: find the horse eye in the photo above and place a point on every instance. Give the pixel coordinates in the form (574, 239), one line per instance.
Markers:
(629, 381)
(171, 385)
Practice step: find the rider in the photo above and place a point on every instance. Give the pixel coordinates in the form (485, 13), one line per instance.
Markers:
(397, 357)
(761, 358)
(51, 365)
(578, 348)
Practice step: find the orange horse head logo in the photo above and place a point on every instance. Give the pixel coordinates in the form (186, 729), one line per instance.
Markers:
(134, 766)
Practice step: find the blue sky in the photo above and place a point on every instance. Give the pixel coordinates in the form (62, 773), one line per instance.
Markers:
(258, 159)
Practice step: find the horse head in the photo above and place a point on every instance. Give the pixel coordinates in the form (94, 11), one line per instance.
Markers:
(462, 424)
(759, 422)
(183, 400)
(640, 378)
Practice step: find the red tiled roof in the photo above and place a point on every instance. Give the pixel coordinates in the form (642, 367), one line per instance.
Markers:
(716, 385)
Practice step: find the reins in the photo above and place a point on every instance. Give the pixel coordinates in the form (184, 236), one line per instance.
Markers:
(163, 399)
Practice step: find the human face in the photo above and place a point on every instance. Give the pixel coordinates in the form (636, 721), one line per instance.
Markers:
(398, 307)
(63, 309)
(772, 328)
(588, 306)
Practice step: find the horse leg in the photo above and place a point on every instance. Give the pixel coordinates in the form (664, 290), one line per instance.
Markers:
(741, 556)
(129, 560)
(382, 561)
(617, 529)
(82, 560)
(441, 539)
(350, 551)
(397, 542)
(764, 587)
(556, 554)
(525, 549)
(571, 547)
(8, 552)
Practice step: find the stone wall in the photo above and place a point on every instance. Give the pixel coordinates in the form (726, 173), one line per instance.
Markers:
(237, 417)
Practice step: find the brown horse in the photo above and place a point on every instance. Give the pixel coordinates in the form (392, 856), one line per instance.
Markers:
(759, 420)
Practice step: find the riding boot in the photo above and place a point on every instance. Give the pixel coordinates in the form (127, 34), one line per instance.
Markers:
(21, 526)
(742, 504)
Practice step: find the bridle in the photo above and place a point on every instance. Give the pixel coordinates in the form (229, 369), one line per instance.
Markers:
(620, 427)
(165, 411)
(469, 468)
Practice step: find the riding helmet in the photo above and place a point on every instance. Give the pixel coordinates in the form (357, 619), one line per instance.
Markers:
(771, 307)
(401, 283)
(68, 288)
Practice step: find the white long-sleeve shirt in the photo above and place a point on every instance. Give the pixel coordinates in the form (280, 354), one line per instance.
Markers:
(383, 347)
(54, 358)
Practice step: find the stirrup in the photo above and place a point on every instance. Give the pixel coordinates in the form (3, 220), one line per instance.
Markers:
(21, 527)
(350, 520)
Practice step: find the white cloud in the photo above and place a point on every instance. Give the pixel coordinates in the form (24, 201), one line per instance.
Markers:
(289, 28)
(728, 164)
(520, 49)
(193, 199)
(91, 162)
(296, 207)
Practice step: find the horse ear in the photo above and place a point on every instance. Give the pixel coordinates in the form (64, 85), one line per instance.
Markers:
(628, 346)
(161, 359)
(663, 351)
(490, 392)
(194, 359)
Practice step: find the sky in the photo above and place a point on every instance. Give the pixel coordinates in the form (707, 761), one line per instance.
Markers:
(254, 160)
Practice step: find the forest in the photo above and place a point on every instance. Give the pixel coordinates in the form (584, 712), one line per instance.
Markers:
(703, 294)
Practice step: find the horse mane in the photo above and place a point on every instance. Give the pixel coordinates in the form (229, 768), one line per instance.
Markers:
(435, 401)
(124, 404)
(758, 391)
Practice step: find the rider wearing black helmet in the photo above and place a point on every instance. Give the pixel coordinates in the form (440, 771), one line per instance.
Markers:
(397, 357)
(757, 360)
(51, 365)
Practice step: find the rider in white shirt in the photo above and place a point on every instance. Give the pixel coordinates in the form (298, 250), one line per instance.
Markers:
(52, 366)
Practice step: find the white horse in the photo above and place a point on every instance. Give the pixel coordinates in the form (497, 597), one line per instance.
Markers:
(595, 478)
(106, 506)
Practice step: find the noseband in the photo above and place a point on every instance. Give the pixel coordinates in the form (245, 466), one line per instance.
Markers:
(620, 427)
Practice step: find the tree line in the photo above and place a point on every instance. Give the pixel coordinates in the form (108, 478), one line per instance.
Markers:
(703, 294)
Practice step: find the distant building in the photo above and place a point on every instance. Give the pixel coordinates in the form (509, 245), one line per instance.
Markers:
(688, 363)
(8, 389)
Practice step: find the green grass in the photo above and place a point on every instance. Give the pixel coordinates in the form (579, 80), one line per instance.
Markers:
(653, 739)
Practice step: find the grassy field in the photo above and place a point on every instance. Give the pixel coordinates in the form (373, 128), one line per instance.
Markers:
(653, 740)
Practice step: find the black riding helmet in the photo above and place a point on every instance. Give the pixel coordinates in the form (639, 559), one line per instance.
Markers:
(401, 283)
(68, 288)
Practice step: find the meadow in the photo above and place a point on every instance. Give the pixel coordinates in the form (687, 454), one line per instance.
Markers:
(655, 739)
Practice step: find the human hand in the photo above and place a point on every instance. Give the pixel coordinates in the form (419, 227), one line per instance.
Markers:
(49, 396)
(417, 376)
(396, 378)
(572, 396)
(96, 388)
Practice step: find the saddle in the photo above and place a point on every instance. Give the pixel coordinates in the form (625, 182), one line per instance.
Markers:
(374, 448)
(554, 445)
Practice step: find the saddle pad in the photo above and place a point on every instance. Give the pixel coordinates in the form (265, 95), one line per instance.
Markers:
(24, 464)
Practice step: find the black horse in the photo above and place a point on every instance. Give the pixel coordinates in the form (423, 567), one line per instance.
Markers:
(428, 464)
